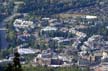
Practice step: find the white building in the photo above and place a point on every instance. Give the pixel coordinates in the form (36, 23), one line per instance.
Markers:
(19, 23)
(26, 51)
(90, 17)
(48, 28)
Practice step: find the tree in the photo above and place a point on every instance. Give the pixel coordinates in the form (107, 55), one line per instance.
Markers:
(9, 68)
(16, 61)
(15, 66)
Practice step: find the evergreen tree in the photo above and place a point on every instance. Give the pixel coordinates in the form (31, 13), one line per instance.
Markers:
(16, 66)
(16, 62)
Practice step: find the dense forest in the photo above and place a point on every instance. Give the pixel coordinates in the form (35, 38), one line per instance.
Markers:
(48, 7)
(43, 7)
(6, 9)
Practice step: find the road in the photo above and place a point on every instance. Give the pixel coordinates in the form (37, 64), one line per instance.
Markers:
(3, 41)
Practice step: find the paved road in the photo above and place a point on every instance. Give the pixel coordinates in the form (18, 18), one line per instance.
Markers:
(3, 41)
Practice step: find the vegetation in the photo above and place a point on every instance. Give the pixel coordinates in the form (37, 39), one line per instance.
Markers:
(52, 69)
(5, 52)
(16, 66)
(6, 9)
(48, 7)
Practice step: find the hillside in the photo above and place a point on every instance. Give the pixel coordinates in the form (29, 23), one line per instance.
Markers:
(48, 7)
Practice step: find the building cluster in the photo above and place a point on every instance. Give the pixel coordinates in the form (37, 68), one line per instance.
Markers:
(61, 42)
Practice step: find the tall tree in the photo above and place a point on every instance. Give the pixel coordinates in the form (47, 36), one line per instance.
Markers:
(15, 66)
(16, 61)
